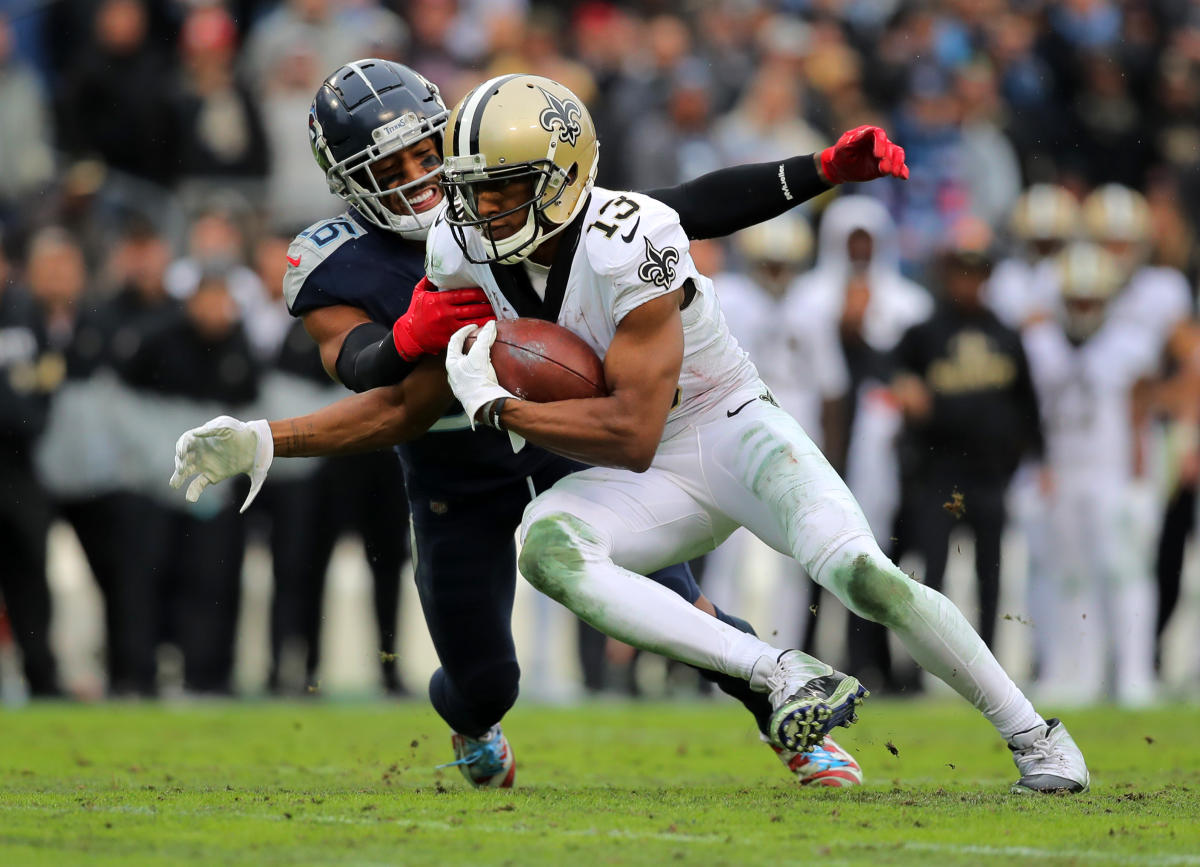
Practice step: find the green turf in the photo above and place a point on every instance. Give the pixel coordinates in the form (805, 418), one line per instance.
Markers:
(598, 784)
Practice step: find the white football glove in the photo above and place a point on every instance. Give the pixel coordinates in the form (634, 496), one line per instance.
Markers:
(222, 448)
(472, 377)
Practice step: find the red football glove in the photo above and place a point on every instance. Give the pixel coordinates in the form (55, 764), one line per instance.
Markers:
(434, 315)
(863, 154)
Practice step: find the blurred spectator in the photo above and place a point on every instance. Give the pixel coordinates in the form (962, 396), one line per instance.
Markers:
(29, 370)
(677, 146)
(199, 357)
(286, 94)
(833, 71)
(308, 29)
(726, 31)
(640, 96)
(82, 461)
(963, 384)
(993, 187)
(1030, 90)
(936, 195)
(1110, 129)
(114, 102)
(25, 143)
(221, 135)
(856, 293)
(540, 52)
(217, 242)
(443, 46)
(767, 123)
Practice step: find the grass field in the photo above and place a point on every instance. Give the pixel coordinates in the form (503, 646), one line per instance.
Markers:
(597, 784)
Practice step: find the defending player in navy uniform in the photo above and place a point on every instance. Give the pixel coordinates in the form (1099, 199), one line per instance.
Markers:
(376, 130)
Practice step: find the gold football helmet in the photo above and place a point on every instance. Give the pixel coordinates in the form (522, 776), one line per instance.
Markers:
(1046, 214)
(1119, 219)
(1089, 278)
(517, 129)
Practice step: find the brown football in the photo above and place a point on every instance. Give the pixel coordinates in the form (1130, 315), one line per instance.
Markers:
(543, 362)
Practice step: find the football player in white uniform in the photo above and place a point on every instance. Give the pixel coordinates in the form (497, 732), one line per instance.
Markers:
(1023, 288)
(689, 444)
(1025, 285)
(1084, 366)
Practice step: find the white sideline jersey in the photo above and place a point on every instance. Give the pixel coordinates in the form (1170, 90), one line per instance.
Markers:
(1156, 300)
(631, 250)
(1085, 394)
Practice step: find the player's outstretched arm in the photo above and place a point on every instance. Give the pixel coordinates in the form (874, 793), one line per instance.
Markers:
(363, 354)
(729, 200)
(641, 369)
(226, 447)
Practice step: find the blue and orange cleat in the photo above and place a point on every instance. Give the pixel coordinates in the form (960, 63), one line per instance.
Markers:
(486, 762)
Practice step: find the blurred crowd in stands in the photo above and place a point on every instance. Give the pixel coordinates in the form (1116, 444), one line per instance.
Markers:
(1005, 340)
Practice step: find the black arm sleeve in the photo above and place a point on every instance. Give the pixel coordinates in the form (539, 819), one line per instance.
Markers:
(368, 358)
(728, 200)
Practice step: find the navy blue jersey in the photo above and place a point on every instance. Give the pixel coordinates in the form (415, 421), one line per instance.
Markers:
(347, 261)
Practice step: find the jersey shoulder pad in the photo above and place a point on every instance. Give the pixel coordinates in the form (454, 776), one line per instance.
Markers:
(312, 247)
(445, 265)
(633, 238)
(1172, 287)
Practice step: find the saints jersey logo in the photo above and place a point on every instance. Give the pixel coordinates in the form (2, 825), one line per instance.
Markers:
(562, 115)
(659, 267)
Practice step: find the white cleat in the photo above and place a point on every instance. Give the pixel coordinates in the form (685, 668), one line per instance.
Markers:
(825, 765)
(486, 762)
(1049, 761)
(807, 707)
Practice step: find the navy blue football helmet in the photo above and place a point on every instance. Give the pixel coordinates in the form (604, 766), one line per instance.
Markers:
(363, 113)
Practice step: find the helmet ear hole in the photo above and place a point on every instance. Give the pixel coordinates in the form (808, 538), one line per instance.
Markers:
(573, 173)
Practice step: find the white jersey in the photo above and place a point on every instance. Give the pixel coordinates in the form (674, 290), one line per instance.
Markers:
(1019, 290)
(631, 250)
(1084, 392)
(1155, 301)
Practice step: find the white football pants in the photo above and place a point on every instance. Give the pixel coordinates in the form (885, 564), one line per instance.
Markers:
(1105, 601)
(588, 540)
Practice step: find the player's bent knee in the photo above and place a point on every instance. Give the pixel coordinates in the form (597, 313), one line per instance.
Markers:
(869, 583)
(553, 555)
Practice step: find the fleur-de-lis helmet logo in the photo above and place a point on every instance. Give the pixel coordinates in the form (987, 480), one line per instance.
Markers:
(563, 115)
(659, 267)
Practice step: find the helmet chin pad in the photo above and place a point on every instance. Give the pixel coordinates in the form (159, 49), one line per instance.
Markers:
(518, 246)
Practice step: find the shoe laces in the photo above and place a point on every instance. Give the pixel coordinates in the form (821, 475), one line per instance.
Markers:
(485, 754)
(789, 674)
(1043, 756)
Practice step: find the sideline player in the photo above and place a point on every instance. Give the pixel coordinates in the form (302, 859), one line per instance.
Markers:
(708, 448)
(376, 130)
(1085, 364)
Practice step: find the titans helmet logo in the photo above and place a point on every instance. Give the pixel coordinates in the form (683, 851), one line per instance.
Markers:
(659, 267)
(562, 115)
